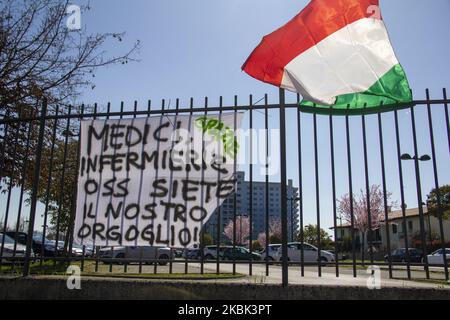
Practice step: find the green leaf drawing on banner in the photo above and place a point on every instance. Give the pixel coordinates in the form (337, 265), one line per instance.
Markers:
(216, 129)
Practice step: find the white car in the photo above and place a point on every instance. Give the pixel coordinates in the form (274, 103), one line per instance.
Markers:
(9, 253)
(272, 254)
(210, 252)
(437, 257)
(162, 254)
(310, 253)
(77, 250)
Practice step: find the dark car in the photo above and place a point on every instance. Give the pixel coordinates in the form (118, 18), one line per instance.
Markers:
(48, 247)
(400, 255)
(192, 254)
(239, 253)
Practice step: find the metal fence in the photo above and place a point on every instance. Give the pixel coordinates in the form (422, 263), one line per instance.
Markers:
(39, 165)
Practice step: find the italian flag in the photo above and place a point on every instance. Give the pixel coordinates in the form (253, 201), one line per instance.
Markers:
(337, 55)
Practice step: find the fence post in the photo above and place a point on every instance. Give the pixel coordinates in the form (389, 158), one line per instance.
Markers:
(37, 171)
(284, 216)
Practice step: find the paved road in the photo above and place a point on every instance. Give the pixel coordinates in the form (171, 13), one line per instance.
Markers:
(328, 276)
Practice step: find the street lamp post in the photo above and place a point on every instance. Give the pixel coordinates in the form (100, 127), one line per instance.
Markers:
(416, 158)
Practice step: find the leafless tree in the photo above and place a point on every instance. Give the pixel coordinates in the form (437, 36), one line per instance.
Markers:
(41, 57)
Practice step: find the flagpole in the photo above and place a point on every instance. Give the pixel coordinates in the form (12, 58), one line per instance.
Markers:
(284, 217)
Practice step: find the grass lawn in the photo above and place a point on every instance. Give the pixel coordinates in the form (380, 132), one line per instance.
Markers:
(179, 276)
(49, 267)
(441, 283)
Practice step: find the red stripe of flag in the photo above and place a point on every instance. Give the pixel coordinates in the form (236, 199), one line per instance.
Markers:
(318, 20)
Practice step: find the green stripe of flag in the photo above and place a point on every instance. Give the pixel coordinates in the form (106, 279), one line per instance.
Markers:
(390, 92)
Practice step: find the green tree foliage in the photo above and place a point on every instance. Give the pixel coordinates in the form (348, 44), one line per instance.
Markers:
(207, 239)
(432, 202)
(256, 245)
(310, 236)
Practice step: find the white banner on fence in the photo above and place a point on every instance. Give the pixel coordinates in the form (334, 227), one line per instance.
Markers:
(144, 181)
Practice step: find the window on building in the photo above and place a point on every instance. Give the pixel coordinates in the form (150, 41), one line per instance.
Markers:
(410, 225)
(394, 229)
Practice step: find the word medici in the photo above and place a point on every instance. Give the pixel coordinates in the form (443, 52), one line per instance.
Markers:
(122, 137)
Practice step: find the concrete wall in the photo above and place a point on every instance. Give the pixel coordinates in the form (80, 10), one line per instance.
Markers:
(41, 288)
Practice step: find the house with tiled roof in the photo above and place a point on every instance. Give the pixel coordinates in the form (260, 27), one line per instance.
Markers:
(404, 229)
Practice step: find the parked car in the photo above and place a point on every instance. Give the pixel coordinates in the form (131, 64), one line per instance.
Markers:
(163, 254)
(210, 252)
(401, 255)
(437, 257)
(239, 253)
(343, 255)
(89, 250)
(77, 250)
(192, 253)
(272, 253)
(46, 249)
(178, 252)
(310, 253)
(12, 251)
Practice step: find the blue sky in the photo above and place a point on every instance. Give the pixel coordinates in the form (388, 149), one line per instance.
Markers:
(196, 48)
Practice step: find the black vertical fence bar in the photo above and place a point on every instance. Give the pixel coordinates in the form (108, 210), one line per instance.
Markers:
(333, 190)
(97, 248)
(149, 108)
(316, 174)
(34, 192)
(22, 186)
(70, 230)
(385, 197)
(369, 211)
(350, 193)
(140, 248)
(171, 179)
(10, 186)
(3, 152)
(61, 185)
(300, 185)
(266, 185)
(447, 118)
(250, 265)
(186, 251)
(284, 228)
(202, 234)
(235, 194)
(419, 194)
(402, 193)
(436, 185)
(83, 254)
(163, 108)
(219, 208)
(49, 181)
(177, 108)
(122, 110)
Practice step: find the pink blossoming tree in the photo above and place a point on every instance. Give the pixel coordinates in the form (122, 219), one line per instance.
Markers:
(242, 230)
(274, 233)
(361, 211)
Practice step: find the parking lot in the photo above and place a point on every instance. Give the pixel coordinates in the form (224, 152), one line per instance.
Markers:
(258, 273)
